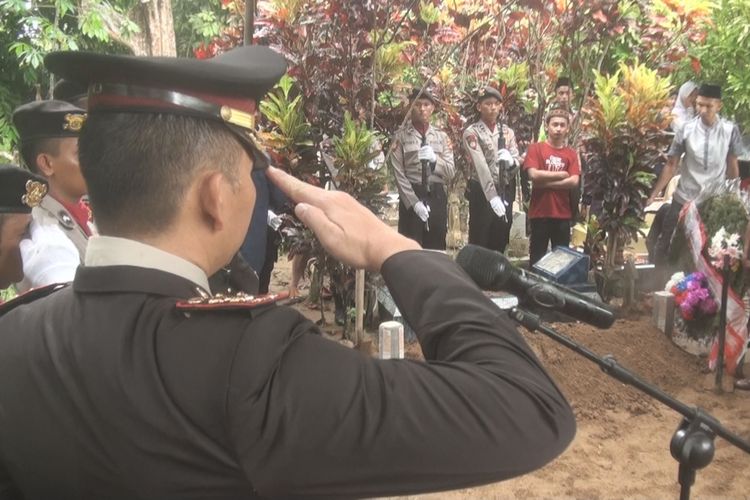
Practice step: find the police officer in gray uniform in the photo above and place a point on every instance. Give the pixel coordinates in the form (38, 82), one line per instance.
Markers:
(422, 161)
(493, 153)
(135, 383)
(61, 225)
(20, 191)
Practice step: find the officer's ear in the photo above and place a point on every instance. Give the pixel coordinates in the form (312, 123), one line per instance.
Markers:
(44, 164)
(212, 197)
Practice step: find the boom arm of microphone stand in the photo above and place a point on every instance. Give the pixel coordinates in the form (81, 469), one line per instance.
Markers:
(611, 367)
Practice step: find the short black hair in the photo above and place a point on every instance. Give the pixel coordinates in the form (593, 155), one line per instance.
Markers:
(31, 149)
(138, 166)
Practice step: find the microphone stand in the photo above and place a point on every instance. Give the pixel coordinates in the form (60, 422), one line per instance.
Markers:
(692, 444)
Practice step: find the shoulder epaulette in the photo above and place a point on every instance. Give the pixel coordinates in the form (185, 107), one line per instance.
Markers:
(221, 302)
(30, 296)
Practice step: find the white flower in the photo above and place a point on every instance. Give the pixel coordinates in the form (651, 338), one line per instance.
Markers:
(676, 278)
(723, 244)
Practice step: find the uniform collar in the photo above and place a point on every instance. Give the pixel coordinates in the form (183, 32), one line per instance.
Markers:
(111, 251)
(132, 279)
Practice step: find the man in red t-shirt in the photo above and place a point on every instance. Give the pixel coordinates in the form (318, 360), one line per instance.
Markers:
(553, 169)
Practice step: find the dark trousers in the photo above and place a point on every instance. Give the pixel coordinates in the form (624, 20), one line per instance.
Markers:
(412, 226)
(272, 255)
(662, 249)
(544, 231)
(486, 229)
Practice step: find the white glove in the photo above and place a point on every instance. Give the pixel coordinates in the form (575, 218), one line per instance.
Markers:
(49, 257)
(427, 153)
(422, 211)
(504, 155)
(498, 206)
(274, 221)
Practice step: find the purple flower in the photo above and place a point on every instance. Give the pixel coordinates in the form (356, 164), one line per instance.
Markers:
(709, 307)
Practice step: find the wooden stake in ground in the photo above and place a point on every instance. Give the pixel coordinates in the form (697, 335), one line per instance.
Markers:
(359, 304)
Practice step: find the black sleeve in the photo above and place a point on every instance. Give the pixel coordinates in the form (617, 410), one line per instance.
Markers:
(8, 490)
(310, 417)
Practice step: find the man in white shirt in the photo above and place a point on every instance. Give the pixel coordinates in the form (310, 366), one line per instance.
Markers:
(710, 145)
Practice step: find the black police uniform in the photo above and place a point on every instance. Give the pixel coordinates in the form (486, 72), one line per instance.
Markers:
(112, 389)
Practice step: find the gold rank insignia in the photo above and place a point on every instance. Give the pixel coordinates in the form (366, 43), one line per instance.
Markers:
(221, 302)
(35, 192)
(237, 117)
(74, 121)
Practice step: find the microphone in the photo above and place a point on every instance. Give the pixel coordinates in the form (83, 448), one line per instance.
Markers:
(493, 271)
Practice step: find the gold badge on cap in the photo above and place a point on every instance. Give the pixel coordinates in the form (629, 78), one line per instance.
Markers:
(74, 121)
(35, 191)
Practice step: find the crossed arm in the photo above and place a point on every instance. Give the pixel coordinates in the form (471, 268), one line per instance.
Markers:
(552, 180)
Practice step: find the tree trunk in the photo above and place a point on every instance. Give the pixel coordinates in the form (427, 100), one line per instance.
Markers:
(249, 22)
(156, 38)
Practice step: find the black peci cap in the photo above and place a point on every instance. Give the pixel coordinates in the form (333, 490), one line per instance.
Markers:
(225, 88)
(709, 90)
(47, 119)
(20, 190)
(488, 92)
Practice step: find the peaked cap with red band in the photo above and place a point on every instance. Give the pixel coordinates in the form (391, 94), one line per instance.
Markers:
(225, 88)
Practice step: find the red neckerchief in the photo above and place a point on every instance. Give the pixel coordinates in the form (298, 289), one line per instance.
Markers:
(80, 212)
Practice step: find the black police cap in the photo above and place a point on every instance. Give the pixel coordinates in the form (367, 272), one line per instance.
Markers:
(420, 93)
(47, 119)
(69, 91)
(488, 92)
(225, 88)
(20, 190)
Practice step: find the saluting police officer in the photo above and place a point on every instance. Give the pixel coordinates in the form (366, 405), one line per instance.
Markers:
(135, 383)
(422, 161)
(20, 191)
(493, 154)
(48, 132)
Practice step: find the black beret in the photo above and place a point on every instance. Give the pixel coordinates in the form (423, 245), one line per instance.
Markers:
(47, 119)
(20, 190)
(709, 90)
(425, 94)
(225, 88)
(563, 81)
(488, 92)
(70, 91)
